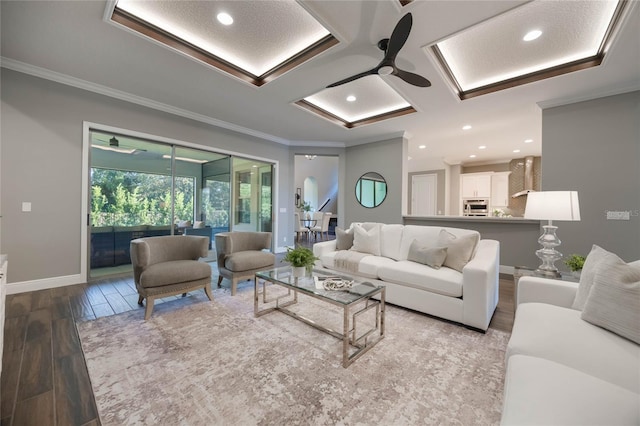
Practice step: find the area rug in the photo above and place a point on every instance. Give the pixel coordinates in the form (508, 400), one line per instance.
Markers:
(196, 362)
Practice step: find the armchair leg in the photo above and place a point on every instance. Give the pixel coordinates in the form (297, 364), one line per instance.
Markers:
(207, 291)
(149, 308)
(219, 280)
(140, 299)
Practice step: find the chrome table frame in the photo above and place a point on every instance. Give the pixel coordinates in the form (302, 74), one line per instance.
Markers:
(349, 335)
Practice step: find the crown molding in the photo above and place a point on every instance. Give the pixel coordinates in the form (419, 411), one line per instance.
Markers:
(134, 99)
(552, 103)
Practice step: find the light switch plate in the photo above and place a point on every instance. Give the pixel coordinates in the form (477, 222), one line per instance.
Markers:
(614, 215)
(26, 206)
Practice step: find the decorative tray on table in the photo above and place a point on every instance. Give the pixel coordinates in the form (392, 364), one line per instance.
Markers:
(333, 283)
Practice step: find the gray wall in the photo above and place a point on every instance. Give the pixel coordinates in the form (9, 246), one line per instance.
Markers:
(385, 158)
(42, 158)
(593, 147)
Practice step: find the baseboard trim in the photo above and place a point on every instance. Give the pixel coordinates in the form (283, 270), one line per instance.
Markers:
(43, 284)
(504, 269)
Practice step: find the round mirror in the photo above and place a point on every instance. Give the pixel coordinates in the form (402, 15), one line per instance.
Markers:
(371, 190)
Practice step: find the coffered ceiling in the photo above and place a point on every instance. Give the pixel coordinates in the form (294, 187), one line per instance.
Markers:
(78, 43)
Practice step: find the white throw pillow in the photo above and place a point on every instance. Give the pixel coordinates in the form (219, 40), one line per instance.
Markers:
(614, 300)
(366, 241)
(198, 224)
(595, 256)
(459, 249)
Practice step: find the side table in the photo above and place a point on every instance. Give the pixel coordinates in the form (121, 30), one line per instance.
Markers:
(525, 271)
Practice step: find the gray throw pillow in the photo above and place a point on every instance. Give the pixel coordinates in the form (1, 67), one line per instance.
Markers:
(614, 300)
(459, 249)
(591, 263)
(430, 256)
(344, 239)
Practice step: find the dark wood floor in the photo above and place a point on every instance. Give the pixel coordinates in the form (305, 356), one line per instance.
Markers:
(44, 374)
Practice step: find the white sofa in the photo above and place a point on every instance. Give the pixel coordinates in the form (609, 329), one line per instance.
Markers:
(564, 370)
(468, 297)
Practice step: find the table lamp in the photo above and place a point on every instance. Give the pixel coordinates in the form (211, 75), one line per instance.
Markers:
(551, 205)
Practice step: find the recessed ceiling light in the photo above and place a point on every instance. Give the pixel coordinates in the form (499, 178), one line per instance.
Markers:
(472, 156)
(224, 18)
(482, 147)
(532, 35)
(351, 98)
(466, 127)
(528, 140)
(422, 146)
(516, 150)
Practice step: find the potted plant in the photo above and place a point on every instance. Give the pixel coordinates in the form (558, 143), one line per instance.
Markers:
(301, 259)
(575, 262)
(306, 207)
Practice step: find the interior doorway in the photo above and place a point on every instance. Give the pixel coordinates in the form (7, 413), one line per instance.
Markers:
(424, 194)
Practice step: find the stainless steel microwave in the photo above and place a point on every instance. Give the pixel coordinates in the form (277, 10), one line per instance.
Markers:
(475, 207)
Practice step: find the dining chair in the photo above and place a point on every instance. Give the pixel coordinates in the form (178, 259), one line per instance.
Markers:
(300, 228)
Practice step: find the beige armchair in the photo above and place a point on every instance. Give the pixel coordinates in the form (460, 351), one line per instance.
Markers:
(241, 255)
(168, 265)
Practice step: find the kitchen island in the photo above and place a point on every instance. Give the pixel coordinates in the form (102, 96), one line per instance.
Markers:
(518, 236)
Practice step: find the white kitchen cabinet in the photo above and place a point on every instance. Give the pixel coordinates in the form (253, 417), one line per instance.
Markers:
(500, 189)
(476, 185)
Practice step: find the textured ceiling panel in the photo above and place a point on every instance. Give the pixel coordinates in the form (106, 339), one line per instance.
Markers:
(263, 34)
(373, 97)
(495, 50)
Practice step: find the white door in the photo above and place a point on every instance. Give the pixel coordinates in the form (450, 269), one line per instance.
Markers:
(423, 195)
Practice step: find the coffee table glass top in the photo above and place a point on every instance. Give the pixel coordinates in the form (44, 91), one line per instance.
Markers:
(307, 284)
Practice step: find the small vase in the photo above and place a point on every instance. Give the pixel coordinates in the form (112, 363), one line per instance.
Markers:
(307, 216)
(576, 274)
(299, 271)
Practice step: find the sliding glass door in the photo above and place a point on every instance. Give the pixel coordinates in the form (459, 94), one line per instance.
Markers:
(144, 188)
(252, 208)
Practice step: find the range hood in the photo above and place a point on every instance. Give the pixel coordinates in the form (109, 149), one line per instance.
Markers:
(528, 178)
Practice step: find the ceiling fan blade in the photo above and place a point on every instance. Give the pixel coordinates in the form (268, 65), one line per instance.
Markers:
(399, 36)
(411, 78)
(354, 77)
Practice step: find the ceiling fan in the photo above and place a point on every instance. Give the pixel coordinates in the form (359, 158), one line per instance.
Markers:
(391, 47)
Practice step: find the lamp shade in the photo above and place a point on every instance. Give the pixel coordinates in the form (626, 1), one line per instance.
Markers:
(552, 205)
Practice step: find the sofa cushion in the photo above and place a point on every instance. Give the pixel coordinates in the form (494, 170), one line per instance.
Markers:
(560, 335)
(542, 392)
(614, 300)
(366, 240)
(427, 235)
(174, 272)
(390, 239)
(247, 260)
(427, 255)
(460, 248)
(444, 281)
(369, 266)
(591, 263)
(344, 239)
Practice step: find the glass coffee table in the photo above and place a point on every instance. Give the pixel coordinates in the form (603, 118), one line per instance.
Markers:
(359, 298)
